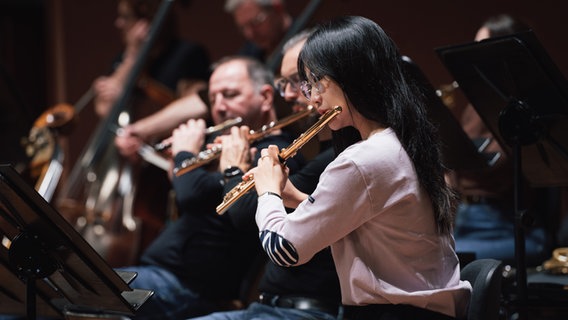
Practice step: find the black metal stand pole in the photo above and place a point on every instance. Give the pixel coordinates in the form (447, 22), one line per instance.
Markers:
(520, 251)
(30, 298)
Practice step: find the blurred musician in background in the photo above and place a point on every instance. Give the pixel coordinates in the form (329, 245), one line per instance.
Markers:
(178, 70)
(174, 68)
(263, 24)
(200, 259)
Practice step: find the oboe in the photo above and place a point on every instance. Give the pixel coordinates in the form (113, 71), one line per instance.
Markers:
(206, 156)
(164, 145)
(245, 186)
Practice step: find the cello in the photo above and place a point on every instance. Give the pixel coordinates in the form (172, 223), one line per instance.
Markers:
(98, 196)
(43, 148)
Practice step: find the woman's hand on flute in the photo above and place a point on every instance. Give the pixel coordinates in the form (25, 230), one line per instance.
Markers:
(270, 174)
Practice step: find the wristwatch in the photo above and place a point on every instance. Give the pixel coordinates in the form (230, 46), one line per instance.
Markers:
(232, 172)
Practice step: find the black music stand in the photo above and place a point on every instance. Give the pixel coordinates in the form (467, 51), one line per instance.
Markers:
(46, 267)
(459, 152)
(523, 99)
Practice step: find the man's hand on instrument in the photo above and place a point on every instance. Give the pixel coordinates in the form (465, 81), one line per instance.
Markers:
(236, 150)
(128, 143)
(189, 136)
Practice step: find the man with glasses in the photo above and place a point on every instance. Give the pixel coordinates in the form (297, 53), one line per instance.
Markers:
(291, 84)
(263, 24)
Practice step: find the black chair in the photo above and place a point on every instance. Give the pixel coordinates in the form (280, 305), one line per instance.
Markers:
(485, 277)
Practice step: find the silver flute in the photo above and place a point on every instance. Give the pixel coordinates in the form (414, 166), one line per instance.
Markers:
(166, 143)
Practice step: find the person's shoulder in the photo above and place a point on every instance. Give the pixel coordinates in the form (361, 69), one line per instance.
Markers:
(379, 146)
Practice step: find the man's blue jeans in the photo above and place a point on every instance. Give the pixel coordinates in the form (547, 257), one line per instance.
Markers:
(171, 299)
(483, 229)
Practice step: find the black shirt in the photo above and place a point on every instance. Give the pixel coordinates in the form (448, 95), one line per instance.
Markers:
(211, 253)
(180, 60)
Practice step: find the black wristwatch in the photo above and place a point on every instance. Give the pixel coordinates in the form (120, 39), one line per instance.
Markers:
(232, 172)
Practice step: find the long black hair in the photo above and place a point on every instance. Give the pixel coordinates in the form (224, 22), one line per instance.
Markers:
(363, 60)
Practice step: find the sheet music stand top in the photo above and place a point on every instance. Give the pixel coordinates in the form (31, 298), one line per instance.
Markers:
(517, 89)
(82, 279)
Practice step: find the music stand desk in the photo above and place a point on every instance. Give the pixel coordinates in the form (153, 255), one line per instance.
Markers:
(43, 253)
(520, 95)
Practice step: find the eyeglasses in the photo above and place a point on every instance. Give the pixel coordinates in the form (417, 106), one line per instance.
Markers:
(256, 21)
(293, 81)
(306, 87)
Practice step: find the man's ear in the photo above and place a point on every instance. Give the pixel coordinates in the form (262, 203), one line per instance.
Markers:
(267, 93)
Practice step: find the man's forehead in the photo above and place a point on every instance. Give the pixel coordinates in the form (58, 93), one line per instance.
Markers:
(246, 11)
(290, 60)
(288, 69)
(229, 72)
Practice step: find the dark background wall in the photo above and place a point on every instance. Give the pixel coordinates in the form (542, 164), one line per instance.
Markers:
(52, 50)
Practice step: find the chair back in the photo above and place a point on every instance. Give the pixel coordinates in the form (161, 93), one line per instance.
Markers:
(485, 277)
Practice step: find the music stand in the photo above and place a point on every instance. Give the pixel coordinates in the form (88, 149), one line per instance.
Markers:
(523, 99)
(46, 267)
(459, 152)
